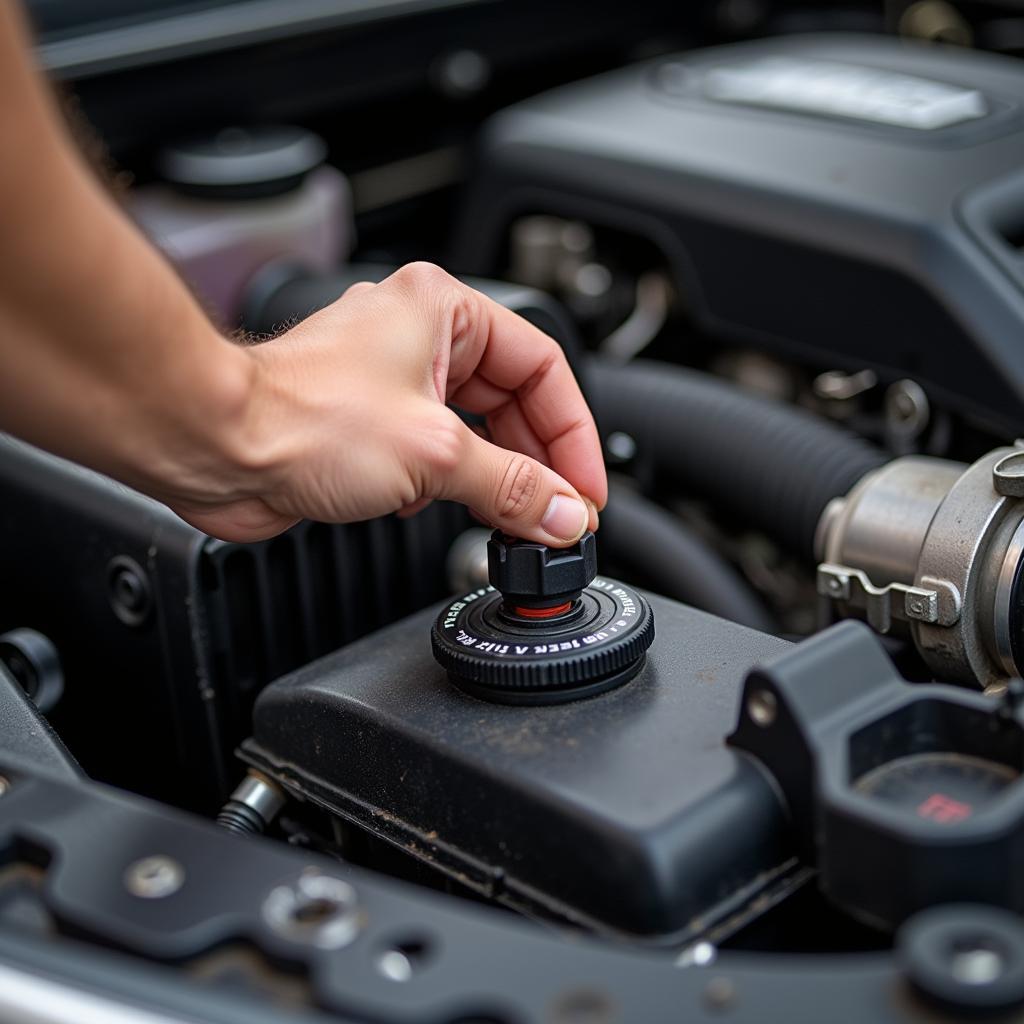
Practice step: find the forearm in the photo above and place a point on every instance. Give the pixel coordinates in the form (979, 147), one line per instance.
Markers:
(94, 324)
(107, 359)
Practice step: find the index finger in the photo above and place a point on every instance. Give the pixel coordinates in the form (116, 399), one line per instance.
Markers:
(504, 358)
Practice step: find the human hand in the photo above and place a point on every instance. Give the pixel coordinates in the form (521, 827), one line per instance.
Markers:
(347, 419)
(341, 418)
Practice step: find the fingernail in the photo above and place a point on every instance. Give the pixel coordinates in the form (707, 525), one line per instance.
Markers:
(566, 518)
(594, 513)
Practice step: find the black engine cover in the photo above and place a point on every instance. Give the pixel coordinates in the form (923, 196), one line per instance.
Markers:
(842, 200)
(624, 812)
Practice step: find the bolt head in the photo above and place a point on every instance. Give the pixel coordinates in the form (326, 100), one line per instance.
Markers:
(155, 877)
(719, 994)
(318, 910)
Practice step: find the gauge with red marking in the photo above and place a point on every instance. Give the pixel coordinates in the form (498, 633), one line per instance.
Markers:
(922, 780)
(942, 786)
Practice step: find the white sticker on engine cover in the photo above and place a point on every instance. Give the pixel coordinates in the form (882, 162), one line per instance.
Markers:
(845, 90)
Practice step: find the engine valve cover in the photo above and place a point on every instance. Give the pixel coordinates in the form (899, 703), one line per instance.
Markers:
(795, 187)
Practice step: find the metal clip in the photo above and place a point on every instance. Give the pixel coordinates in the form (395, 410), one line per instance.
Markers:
(1008, 474)
(896, 601)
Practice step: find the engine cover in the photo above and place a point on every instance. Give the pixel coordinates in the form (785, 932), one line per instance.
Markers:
(841, 200)
(624, 812)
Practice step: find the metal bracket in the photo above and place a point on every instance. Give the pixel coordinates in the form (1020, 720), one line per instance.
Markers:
(938, 603)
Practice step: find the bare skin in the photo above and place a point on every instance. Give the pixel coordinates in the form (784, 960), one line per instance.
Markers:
(110, 361)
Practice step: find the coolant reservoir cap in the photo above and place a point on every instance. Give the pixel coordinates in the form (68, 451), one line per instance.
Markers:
(547, 630)
(536, 579)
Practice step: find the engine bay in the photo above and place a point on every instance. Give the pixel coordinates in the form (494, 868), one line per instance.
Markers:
(752, 750)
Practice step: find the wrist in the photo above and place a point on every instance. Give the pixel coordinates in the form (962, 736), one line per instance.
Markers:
(207, 446)
(253, 420)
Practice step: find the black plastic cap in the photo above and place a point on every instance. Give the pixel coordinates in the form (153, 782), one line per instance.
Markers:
(534, 575)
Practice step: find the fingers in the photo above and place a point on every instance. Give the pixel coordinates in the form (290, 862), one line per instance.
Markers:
(487, 357)
(509, 428)
(490, 361)
(518, 367)
(514, 492)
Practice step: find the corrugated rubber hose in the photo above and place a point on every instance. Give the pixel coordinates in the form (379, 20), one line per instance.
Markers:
(774, 466)
(674, 561)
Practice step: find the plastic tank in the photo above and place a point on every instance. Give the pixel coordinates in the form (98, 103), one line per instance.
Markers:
(233, 203)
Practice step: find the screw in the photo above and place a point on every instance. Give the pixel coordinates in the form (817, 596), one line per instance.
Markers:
(906, 408)
(719, 994)
(153, 878)
(318, 909)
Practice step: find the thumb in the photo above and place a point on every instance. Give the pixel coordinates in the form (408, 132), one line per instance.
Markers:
(518, 494)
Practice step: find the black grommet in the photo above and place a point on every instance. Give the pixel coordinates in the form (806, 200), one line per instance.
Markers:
(965, 957)
(129, 591)
(34, 662)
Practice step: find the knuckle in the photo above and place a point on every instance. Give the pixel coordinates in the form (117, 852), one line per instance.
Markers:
(442, 446)
(423, 276)
(553, 356)
(519, 487)
(553, 352)
(357, 288)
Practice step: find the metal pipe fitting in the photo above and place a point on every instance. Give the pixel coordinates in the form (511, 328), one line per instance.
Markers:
(935, 549)
(253, 805)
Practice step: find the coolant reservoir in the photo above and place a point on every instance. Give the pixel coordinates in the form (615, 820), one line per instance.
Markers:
(583, 780)
(234, 202)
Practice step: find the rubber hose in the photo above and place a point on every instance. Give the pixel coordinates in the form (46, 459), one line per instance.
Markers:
(674, 561)
(774, 466)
